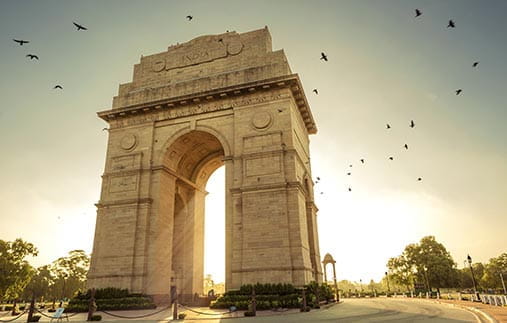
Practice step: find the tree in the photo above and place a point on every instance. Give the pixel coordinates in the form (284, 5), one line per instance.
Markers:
(15, 271)
(39, 284)
(428, 262)
(492, 271)
(401, 271)
(69, 274)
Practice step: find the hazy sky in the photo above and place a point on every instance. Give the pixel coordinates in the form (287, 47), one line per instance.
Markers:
(385, 66)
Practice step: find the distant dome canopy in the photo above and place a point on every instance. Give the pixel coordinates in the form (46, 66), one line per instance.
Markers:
(328, 259)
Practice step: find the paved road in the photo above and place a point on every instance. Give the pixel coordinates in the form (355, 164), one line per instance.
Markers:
(372, 310)
(351, 310)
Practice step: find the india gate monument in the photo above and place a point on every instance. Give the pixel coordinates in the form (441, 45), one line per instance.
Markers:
(225, 99)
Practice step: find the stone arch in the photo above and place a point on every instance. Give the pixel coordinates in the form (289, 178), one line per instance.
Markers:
(181, 132)
(165, 144)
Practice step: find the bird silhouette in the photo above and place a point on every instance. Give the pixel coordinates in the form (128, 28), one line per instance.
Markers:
(350, 165)
(349, 174)
(418, 12)
(391, 158)
(79, 27)
(406, 146)
(419, 179)
(362, 160)
(412, 124)
(58, 87)
(323, 56)
(105, 129)
(32, 56)
(350, 189)
(475, 64)
(318, 178)
(315, 91)
(451, 24)
(189, 17)
(388, 126)
(458, 91)
(21, 42)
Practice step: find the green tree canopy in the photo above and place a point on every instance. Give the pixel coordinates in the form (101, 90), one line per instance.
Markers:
(427, 262)
(15, 271)
(492, 271)
(69, 274)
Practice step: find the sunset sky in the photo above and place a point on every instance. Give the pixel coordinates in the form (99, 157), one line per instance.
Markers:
(385, 66)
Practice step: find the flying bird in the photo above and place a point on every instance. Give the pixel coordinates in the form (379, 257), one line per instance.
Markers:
(451, 24)
(388, 126)
(21, 42)
(58, 87)
(475, 64)
(350, 190)
(323, 56)
(391, 158)
(318, 178)
(419, 179)
(412, 124)
(315, 91)
(418, 12)
(32, 56)
(105, 129)
(458, 91)
(350, 165)
(79, 27)
(349, 174)
(406, 146)
(189, 17)
(362, 160)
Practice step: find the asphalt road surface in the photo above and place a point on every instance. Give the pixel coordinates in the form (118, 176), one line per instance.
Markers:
(373, 310)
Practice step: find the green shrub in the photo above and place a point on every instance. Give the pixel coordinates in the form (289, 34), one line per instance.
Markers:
(127, 303)
(96, 318)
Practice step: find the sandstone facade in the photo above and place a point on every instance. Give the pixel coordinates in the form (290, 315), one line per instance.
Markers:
(220, 99)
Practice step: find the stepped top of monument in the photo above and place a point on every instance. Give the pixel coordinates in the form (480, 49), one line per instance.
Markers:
(207, 64)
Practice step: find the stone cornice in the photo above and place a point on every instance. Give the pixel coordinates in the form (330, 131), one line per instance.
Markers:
(291, 82)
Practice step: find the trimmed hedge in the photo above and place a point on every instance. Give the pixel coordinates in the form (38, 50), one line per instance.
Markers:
(269, 296)
(110, 299)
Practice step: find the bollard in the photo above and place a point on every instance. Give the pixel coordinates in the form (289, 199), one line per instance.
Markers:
(254, 302)
(32, 308)
(304, 300)
(92, 306)
(175, 308)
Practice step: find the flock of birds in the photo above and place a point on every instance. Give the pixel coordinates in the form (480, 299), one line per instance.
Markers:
(324, 58)
(21, 42)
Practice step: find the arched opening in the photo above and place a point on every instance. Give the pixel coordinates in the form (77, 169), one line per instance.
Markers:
(190, 161)
(214, 233)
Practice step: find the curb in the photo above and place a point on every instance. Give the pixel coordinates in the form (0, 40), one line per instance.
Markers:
(477, 312)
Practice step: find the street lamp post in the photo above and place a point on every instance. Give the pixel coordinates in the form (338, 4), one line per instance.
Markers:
(473, 277)
(388, 288)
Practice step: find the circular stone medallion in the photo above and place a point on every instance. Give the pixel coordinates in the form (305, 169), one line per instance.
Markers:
(128, 141)
(261, 120)
(234, 47)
